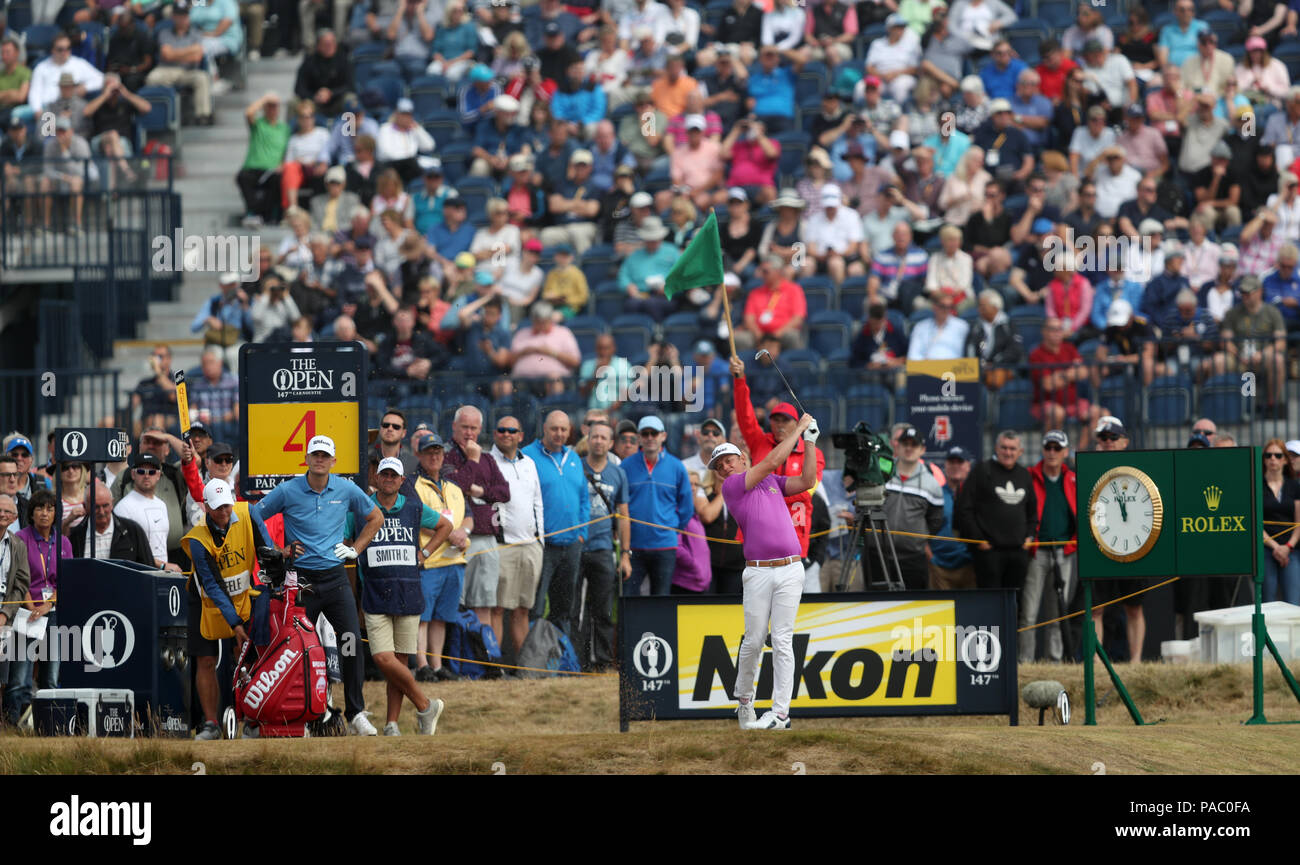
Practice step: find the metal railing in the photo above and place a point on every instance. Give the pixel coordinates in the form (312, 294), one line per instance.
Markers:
(36, 400)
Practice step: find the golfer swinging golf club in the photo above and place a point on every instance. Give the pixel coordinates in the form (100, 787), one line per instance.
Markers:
(773, 576)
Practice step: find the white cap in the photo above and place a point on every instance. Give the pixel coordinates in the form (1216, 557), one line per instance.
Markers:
(1293, 446)
(505, 102)
(228, 278)
(999, 105)
(393, 464)
(831, 195)
(641, 199)
(731, 280)
(1120, 313)
(696, 121)
(721, 451)
(899, 138)
(217, 493)
(321, 443)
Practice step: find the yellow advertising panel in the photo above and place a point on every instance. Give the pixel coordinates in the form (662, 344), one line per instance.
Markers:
(279, 433)
(886, 653)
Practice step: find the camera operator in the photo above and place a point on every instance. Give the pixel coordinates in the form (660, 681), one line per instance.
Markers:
(223, 549)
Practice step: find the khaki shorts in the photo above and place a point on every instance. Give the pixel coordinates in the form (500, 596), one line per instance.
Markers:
(947, 579)
(392, 633)
(482, 572)
(521, 569)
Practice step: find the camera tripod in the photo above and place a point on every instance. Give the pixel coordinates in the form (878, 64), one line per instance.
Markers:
(869, 518)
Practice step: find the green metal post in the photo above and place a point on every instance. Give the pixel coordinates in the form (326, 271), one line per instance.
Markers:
(1089, 649)
(1259, 635)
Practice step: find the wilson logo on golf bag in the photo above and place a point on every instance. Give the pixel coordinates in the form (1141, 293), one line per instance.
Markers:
(288, 683)
(266, 681)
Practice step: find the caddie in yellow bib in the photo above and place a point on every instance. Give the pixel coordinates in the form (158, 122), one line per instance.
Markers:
(223, 549)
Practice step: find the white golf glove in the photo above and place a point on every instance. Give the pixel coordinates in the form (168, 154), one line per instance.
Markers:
(344, 552)
(811, 433)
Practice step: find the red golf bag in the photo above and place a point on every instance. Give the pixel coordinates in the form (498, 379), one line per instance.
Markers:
(286, 688)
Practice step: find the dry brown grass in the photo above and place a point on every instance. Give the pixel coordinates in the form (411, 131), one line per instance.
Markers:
(571, 726)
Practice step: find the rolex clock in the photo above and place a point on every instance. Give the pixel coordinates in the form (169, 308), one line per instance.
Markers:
(1126, 513)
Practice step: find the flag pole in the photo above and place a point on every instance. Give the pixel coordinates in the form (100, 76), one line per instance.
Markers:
(731, 334)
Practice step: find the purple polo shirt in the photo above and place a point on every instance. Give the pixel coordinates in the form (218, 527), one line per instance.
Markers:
(464, 473)
(762, 516)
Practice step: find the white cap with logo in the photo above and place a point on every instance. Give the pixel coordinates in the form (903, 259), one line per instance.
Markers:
(217, 493)
(721, 451)
(321, 444)
(392, 464)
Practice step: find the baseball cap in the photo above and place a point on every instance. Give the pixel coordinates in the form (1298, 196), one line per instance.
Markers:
(1198, 440)
(871, 81)
(1093, 45)
(433, 168)
(650, 422)
(895, 20)
(1172, 249)
(15, 121)
(18, 441)
(958, 453)
(721, 451)
(67, 79)
(1135, 110)
(704, 347)
(1151, 226)
(972, 84)
(228, 278)
(737, 193)
(999, 105)
(731, 280)
(1112, 425)
(392, 464)
(696, 121)
(197, 426)
(1220, 150)
(580, 157)
(563, 249)
(519, 162)
(1256, 43)
(63, 123)
(1293, 446)
(625, 426)
(181, 6)
(1056, 437)
(429, 441)
(405, 106)
(219, 449)
(465, 259)
(532, 244)
(786, 409)
(909, 433)
(483, 277)
(505, 102)
(714, 422)
(898, 139)
(1041, 225)
(831, 195)
(1228, 253)
(1097, 111)
(552, 28)
(641, 199)
(336, 174)
(1120, 313)
(145, 459)
(1207, 35)
(217, 493)
(321, 444)
(480, 72)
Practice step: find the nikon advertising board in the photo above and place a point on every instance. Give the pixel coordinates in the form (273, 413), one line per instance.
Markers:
(945, 401)
(289, 393)
(896, 653)
(1185, 513)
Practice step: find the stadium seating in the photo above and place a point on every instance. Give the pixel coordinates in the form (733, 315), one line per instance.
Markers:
(1221, 398)
(829, 331)
(869, 402)
(609, 299)
(523, 407)
(1013, 405)
(681, 329)
(1168, 401)
(632, 333)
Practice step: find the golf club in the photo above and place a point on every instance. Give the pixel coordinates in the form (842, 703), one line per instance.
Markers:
(764, 352)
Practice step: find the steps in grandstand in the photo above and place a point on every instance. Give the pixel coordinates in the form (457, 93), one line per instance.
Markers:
(210, 204)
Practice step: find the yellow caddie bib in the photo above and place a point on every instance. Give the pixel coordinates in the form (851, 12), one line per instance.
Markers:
(235, 561)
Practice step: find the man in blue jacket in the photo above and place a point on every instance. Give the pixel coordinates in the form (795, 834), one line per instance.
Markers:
(565, 504)
(659, 491)
(951, 564)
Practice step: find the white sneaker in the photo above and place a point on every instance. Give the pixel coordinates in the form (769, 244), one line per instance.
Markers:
(252, 220)
(209, 732)
(427, 721)
(391, 729)
(254, 54)
(770, 721)
(361, 725)
(745, 714)
(251, 732)
(220, 87)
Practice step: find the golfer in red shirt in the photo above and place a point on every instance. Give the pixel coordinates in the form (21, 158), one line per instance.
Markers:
(773, 576)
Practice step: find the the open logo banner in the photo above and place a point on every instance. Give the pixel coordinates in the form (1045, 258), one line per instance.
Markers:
(855, 654)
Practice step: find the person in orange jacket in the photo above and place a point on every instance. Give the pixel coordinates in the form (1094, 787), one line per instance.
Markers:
(782, 420)
(1054, 487)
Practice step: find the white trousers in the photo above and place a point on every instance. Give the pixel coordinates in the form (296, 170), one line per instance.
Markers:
(771, 596)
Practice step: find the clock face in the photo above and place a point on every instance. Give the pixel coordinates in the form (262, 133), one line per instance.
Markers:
(1125, 513)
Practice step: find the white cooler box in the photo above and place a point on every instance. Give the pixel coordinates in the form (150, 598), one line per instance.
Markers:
(91, 712)
(1226, 636)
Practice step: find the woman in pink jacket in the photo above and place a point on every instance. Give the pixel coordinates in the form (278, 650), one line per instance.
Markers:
(1069, 297)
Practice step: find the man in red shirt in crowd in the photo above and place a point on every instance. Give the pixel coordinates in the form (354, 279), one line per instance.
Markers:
(776, 307)
(1056, 392)
(782, 419)
(1053, 70)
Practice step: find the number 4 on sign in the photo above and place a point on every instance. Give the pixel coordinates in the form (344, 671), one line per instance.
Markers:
(308, 427)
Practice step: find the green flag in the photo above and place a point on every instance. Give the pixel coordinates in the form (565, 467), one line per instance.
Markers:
(701, 263)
